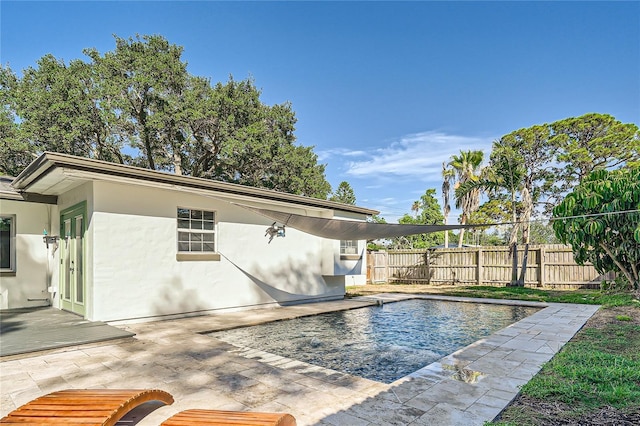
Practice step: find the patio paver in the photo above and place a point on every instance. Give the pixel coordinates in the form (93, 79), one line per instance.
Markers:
(203, 372)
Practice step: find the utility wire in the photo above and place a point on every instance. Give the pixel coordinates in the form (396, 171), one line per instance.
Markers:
(553, 219)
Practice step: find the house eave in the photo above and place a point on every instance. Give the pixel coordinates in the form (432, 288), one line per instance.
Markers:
(29, 197)
(7, 192)
(49, 162)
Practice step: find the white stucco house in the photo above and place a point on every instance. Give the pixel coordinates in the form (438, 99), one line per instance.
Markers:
(124, 243)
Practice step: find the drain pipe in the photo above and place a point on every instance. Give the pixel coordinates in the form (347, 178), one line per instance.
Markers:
(51, 243)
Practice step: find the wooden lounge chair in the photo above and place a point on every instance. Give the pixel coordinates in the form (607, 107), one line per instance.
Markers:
(84, 406)
(220, 418)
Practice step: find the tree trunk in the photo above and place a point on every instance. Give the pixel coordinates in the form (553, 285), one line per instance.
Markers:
(427, 263)
(146, 139)
(462, 222)
(520, 282)
(624, 270)
(513, 252)
(636, 274)
(177, 163)
(446, 237)
(526, 214)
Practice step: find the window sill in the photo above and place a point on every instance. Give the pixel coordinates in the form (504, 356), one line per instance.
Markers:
(7, 273)
(350, 257)
(195, 257)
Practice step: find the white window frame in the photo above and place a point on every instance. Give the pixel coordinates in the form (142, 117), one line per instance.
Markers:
(349, 249)
(11, 270)
(202, 223)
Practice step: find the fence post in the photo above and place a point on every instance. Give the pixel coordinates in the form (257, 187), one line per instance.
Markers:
(479, 266)
(386, 267)
(541, 260)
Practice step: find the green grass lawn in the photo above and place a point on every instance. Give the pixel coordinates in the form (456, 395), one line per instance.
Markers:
(599, 367)
(590, 297)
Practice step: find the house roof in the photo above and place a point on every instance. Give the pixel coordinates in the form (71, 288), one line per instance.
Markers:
(6, 191)
(52, 174)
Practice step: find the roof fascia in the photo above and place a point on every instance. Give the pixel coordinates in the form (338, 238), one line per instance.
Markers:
(30, 197)
(38, 168)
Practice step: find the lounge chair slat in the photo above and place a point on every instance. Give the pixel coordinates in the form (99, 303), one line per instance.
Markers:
(68, 413)
(222, 417)
(53, 421)
(84, 406)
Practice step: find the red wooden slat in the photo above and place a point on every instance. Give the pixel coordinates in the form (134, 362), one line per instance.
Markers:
(84, 406)
(221, 418)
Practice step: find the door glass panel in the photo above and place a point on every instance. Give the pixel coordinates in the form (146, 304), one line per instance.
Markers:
(79, 261)
(67, 260)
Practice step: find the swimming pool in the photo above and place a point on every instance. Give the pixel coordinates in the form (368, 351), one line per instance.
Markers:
(382, 343)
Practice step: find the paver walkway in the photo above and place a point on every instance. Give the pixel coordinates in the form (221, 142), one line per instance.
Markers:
(203, 372)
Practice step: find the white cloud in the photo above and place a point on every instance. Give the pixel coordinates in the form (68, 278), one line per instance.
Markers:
(391, 178)
(339, 152)
(417, 156)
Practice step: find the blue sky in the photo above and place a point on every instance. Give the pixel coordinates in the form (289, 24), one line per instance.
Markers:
(385, 91)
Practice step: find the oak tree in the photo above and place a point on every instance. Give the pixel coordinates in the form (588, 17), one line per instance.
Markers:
(138, 105)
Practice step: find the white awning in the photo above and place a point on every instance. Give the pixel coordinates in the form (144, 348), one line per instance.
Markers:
(337, 229)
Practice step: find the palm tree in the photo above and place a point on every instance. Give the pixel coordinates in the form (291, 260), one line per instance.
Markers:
(467, 167)
(415, 207)
(448, 174)
(507, 174)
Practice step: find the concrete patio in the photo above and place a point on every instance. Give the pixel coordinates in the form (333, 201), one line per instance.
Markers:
(31, 330)
(467, 387)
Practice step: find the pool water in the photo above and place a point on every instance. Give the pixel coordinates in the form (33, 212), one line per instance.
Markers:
(382, 343)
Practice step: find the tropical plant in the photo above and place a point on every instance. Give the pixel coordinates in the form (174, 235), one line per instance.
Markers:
(536, 166)
(426, 212)
(375, 245)
(523, 159)
(495, 210)
(600, 218)
(519, 165)
(448, 174)
(467, 167)
(541, 232)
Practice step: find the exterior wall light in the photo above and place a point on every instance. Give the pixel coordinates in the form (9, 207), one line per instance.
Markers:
(50, 239)
(275, 231)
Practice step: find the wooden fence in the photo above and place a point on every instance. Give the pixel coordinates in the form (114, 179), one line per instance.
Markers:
(550, 266)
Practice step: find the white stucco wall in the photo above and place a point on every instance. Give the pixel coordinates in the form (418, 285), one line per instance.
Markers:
(349, 271)
(36, 266)
(136, 273)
